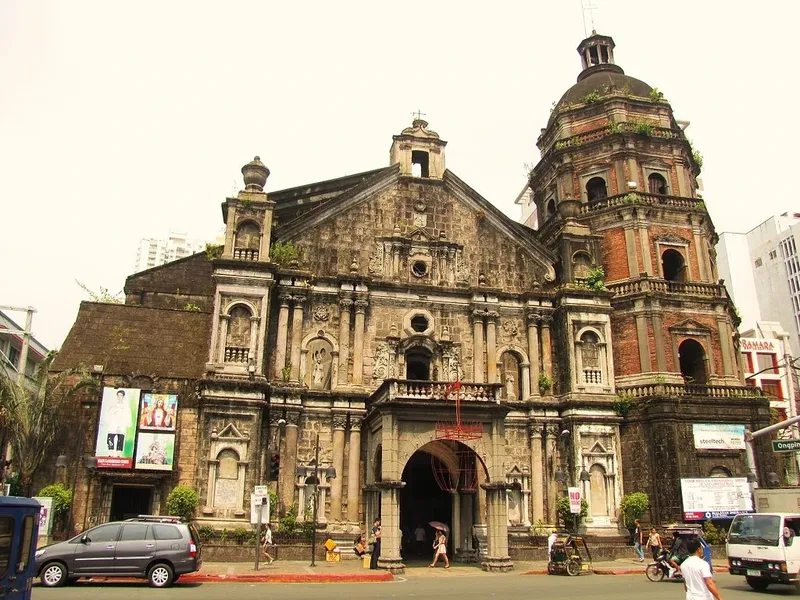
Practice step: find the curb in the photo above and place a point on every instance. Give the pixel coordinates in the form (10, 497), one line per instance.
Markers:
(289, 578)
(720, 569)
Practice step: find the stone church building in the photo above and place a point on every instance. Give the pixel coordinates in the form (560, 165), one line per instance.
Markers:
(454, 364)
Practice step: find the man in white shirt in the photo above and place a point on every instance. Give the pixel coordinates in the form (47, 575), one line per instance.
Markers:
(550, 541)
(696, 572)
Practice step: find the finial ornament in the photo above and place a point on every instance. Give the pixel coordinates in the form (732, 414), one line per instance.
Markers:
(255, 175)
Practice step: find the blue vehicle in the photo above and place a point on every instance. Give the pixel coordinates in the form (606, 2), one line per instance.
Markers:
(19, 529)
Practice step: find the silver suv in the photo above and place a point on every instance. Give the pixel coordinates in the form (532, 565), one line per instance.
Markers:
(160, 549)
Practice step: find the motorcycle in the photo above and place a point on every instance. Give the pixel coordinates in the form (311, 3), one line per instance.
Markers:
(660, 569)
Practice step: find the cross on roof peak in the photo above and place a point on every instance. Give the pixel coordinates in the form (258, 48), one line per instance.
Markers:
(418, 115)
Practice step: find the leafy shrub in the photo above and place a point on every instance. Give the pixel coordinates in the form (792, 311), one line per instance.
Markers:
(288, 522)
(633, 506)
(182, 502)
(62, 502)
(590, 97)
(655, 95)
(643, 128)
(283, 253)
(545, 383)
(240, 534)
(698, 158)
(623, 404)
(213, 251)
(595, 280)
(206, 532)
(564, 513)
(192, 307)
(714, 535)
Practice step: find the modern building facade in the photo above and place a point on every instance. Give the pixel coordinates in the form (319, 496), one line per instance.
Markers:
(153, 252)
(454, 364)
(12, 348)
(761, 269)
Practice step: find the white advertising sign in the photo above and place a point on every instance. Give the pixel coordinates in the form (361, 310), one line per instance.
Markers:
(757, 345)
(574, 500)
(715, 498)
(256, 502)
(718, 436)
(45, 514)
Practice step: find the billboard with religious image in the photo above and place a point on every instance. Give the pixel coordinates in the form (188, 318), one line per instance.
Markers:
(116, 429)
(158, 412)
(154, 451)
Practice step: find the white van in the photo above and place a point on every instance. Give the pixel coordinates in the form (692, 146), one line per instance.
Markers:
(762, 547)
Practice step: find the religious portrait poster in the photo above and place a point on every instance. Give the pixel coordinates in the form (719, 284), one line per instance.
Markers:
(119, 409)
(158, 412)
(155, 451)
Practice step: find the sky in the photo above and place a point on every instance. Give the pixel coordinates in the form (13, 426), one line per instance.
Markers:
(122, 120)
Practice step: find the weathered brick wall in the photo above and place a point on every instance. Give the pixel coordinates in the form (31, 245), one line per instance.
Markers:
(615, 261)
(174, 285)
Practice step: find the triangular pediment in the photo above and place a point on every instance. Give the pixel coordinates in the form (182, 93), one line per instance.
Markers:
(230, 432)
(690, 325)
(598, 448)
(671, 239)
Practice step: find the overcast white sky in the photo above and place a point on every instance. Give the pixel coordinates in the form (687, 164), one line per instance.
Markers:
(122, 120)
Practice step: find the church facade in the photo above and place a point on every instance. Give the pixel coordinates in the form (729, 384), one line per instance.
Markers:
(443, 361)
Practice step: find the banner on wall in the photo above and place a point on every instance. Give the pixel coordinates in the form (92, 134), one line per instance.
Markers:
(155, 451)
(718, 436)
(715, 498)
(117, 428)
(158, 412)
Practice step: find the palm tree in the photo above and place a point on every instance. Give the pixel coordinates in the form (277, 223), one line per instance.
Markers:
(32, 416)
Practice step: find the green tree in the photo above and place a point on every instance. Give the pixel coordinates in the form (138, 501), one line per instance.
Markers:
(182, 502)
(565, 514)
(32, 414)
(62, 501)
(633, 506)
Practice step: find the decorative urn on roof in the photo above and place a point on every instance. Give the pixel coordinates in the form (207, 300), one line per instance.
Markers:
(255, 175)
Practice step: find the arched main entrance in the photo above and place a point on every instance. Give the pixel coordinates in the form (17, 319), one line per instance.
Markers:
(442, 480)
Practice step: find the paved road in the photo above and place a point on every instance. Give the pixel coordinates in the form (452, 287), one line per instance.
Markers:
(418, 586)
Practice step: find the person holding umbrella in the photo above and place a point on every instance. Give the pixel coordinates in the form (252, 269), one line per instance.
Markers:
(440, 549)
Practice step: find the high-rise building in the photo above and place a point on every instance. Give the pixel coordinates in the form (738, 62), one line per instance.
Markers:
(153, 252)
(761, 269)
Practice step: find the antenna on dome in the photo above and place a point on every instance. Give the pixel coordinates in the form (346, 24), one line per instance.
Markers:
(586, 5)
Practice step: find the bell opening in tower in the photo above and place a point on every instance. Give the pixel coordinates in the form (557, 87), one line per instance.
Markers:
(419, 163)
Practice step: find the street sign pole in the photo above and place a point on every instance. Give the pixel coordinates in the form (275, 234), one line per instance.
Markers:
(258, 531)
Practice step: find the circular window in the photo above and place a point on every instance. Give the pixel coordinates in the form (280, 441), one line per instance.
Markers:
(419, 323)
(419, 268)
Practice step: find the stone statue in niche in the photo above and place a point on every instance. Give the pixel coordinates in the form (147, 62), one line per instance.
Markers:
(514, 506)
(510, 393)
(589, 351)
(510, 375)
(320, 353)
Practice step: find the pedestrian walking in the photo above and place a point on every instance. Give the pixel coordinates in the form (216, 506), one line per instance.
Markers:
(654, 543)
(697, 579)
(266, 542)
(638, 540)
(440, 549)
(376, 544)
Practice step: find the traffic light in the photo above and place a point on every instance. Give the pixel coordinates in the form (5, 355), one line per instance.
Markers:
(274, 466)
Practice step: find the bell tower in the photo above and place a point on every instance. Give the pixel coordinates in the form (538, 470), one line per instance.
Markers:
(418, 151)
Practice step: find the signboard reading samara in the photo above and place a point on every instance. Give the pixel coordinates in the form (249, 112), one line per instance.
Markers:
(117, 428)
(715, 498)
(718, 436)
(757, 345)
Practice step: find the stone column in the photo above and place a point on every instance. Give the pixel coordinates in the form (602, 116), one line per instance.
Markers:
(537, 480)
(477, 340)
(533, 351)
(208, 509)
(658, 339)
(223, 336)
(283, 334)
(643, 342)
(289, 460)
(491, 347)
(726, 347)
(547, 355)
(550, 443)
(455, 521)
(339, 423)
(497, 558)
(390, 526)
(345, 306)
(358, 341)
(251, 355)
(297, 336)
(353, 471)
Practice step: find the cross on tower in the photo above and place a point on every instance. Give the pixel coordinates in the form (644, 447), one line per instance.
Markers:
(586, 5)
(418, 115)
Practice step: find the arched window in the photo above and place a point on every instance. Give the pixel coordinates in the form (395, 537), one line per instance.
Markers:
(656, 184)
(227, 477)
(551, 208)
(692, 360)
(510, 376)
(596, 189)
(598, 494)
(418, 365)
(719, 472)
(247, 242)
(673, 265)
(320, 354)
(581, 265)
(237, 342)
(590, 359)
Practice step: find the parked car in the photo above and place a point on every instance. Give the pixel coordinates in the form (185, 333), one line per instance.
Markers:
(160, 549)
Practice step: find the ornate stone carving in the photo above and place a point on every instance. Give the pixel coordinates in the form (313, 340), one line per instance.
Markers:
(361, 305)
(293, 418)
(355, 423)
(380, 370)
(420, 220)
(510, 330)
(462, 272)
(284, 297)
(299, 299)
(321, 313)
(339, 421)
(376, 260)
(345, 304)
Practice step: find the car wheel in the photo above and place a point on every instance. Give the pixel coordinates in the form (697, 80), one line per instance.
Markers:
(53, 575)
(757, 583)
(160, 575)
(654, 572)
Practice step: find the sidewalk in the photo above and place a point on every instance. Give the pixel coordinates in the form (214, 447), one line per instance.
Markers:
(352, 571)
